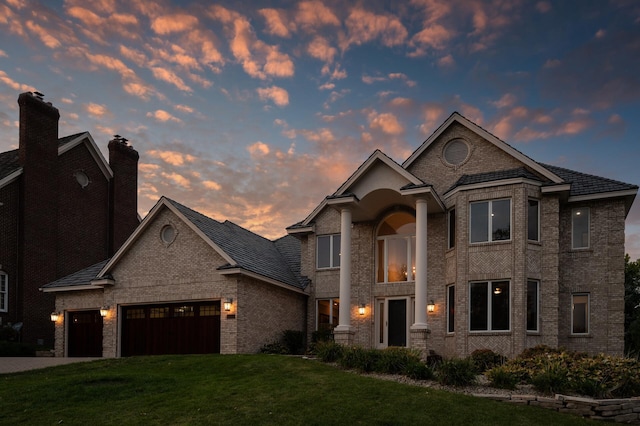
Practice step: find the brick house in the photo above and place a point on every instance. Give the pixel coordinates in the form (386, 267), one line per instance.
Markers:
(468, 244)
(62, 208)
(182, 283)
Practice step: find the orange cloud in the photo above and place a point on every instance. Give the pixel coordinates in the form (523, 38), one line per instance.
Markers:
(320, 48)
(364, 26)
(14, 85)
(386, 122)
(163, 116)
(170, 77)
(176, 23)
(209, 184)
(96, 110)
(278, 95)
(177, 179)
(313, 14)
(258, 148)
(275, 22)
(172, 157)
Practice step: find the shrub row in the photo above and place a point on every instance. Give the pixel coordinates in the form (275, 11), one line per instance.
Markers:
(553, 370)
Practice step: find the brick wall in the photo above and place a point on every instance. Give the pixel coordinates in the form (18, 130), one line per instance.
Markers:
(8, 242)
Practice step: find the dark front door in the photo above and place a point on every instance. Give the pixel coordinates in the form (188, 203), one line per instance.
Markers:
(184, 328)
(397, 322)
(85, 334)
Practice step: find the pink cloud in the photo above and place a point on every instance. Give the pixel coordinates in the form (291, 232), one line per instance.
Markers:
(96, 110)
(173, 158)
(258, 148)
(364, 26)
(163, 116)
(169, 76)
(176, 23)
(278, 95)
(386, 122)
(446, 61)
(14, 85)
(315, 14)
(320, 48)
(275, 22)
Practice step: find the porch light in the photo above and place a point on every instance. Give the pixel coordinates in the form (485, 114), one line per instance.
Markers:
(104, 311)
(227, 304)
(361, 309)
(431, 307)
(55, 316)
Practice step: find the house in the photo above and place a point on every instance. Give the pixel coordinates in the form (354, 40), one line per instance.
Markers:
(62, 208)
(468, 244)
(182, 283)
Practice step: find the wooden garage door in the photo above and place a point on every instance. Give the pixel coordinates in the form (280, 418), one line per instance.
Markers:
(85, 334)
(184, 328)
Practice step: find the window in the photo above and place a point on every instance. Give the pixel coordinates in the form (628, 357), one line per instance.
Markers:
(168, 234)
(532, 305)
(580, 227)
(580, 314)
(451, 308)
(397, 248)
(490, 221)
(489, 306)
(451, 218)
(533, 221)
(328, 310)
(456, 152)
(4, 292)
(329, 251)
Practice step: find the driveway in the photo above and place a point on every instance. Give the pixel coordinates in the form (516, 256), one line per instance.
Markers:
(15, 364)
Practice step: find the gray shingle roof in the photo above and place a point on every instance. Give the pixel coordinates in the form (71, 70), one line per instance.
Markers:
(80, 278)
(585, 184)
(520, 172)
(250, 251)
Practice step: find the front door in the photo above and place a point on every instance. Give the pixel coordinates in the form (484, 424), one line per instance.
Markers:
(85, 334)
(392, 322)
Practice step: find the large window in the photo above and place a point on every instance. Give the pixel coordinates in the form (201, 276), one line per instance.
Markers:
(533, 298)
(451, 308)
(451, 219)
(328, 310)
(580, 227)
(489, 306)
(328, 251)
(490, 221)
(396, 246)
(533, 221)
(4, 292)
(580, 313)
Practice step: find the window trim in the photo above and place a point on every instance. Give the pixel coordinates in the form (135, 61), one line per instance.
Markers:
(331, 300)
(538, 219)
(490, 328)
(490, 221)
(537, 329)
(332, 249)
(451, 313)
(4, 277)
(573, 215)
(587, 313)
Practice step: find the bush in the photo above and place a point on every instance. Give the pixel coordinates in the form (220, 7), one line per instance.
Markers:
(552, 378)
(363, 360)
(329, 351)
(293, 340)
(274, 348)
(501, 377)
(419, 371)
(457, 372)
(396, 360)
(486, 359)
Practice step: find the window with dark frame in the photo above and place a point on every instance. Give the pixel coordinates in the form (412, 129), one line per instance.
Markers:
(489, 306)
(490, 221)
(451, 218)
(533, 220)
(533, 298)
(451, 310)
(328, 251)
(580, 313)
(4, 292)
(580, 228)
(327, 314)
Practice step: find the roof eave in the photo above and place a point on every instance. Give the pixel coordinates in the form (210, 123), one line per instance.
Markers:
(69, 288)
(10, 177)
(241, 271)
(491, 184)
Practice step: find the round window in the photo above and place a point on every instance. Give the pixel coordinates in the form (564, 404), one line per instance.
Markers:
(456, 152)
(168, 234)
(81, 178)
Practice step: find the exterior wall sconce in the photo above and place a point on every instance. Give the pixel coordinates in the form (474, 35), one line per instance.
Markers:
(362, 309)
(55, 316)
(431, 306)
(227, 305)
(104, 311)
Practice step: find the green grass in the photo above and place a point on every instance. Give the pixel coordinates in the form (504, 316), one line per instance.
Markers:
(239, 389)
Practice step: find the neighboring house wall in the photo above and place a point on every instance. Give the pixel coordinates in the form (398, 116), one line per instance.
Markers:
(8, 242)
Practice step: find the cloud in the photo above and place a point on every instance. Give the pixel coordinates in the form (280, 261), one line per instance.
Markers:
(446, 61)
(386, 122)
(319, 48)
(364, 26)
(507, 100)
(173, 158)
(275, 22)
(327, 86)
(176, 23)
(277, 95)
(163, 116)
(96, 110)
(14, 85)
(177, 178)
(209, 184)
(169, 76)
(314, 14)
(258, 148)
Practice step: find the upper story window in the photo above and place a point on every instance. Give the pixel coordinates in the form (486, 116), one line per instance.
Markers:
(451, 224)
(328, 251)
(580, 228)
(533, 220)
(4, 292)
(396, 246)
(490, 221)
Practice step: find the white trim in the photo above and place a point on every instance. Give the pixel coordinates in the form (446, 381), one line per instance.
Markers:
(305, 230)
(10, 177)
(70, 288)
(101, 282)
(491, 184)
(555, 188)
(456, 117)
(93, 150)
(332, 249)
(601, 195)
(342, 200)
(241, 271)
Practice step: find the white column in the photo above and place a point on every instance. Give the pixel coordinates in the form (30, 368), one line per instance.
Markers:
(344, 322)
(421, 265)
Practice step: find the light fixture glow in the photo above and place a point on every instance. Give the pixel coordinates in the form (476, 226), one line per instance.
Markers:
(55, 316)
(227, 305)
(362, 309)
(104, 311)
(431, 307)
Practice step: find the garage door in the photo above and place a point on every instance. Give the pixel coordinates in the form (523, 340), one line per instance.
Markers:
(181, 328)
(85, 334)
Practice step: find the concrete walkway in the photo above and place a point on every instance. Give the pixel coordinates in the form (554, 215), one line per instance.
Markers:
(15, 364)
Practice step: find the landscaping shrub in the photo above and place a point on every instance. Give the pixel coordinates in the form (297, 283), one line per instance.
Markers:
(274, 348)
(363, 360)
(486, 359)
(396, 360)
(457, 372)
(418, 370)
(552, 377)
(501, 377)
(291, 343)
(329, 351)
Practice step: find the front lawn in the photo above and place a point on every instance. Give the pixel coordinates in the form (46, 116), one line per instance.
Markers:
(239, 389)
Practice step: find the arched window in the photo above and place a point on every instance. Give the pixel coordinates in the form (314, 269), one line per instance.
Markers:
(396, 245)
(4, 292)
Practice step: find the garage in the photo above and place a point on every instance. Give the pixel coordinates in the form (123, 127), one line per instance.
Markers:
(177, 328)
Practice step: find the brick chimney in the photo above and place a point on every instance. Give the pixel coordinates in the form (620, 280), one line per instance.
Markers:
(123, 160)
(38, 152)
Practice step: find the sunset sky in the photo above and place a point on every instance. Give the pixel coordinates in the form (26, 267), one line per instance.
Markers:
(254, 111)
